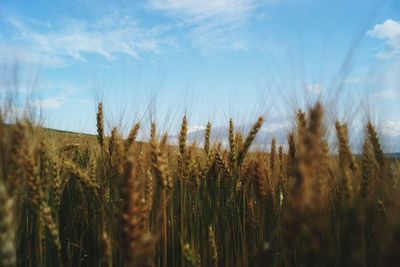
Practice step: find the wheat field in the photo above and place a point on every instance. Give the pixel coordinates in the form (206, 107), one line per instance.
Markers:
(105, 200)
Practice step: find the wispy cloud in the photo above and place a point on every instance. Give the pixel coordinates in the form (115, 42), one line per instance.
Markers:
(375, 78)
(208, 25)
(391, 128)
(20, 54)
(196, 128)
(212, 24)
(212, 36)
(389, 93)
(315, 88)
(390, 32)
(76, 39)
(48, 103)
(193, 10)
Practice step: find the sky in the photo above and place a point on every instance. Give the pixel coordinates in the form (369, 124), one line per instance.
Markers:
(210, 59)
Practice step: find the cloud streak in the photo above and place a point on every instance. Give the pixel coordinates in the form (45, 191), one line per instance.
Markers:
(195, 11)
(208, 25)
(77, 39)
(211, 24)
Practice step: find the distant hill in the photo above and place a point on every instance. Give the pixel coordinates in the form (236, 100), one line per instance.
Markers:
(393, 155)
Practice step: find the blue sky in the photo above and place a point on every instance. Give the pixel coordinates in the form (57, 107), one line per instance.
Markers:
(212, 59)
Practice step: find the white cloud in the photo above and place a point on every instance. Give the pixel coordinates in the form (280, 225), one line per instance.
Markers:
(108, 38)
(390, 32)
(273, 127)
(315, 88)
(364, 79)
(391, 128)
(48, 103)
(196, 128)
(389, 93)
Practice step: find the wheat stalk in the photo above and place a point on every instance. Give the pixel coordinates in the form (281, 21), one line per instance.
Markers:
(7, 248)
(249, 139)
(213, 246)
(207, 135)
(132, 136)
(100, 124)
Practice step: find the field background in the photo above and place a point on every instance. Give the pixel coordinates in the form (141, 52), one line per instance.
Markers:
(69, 199)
